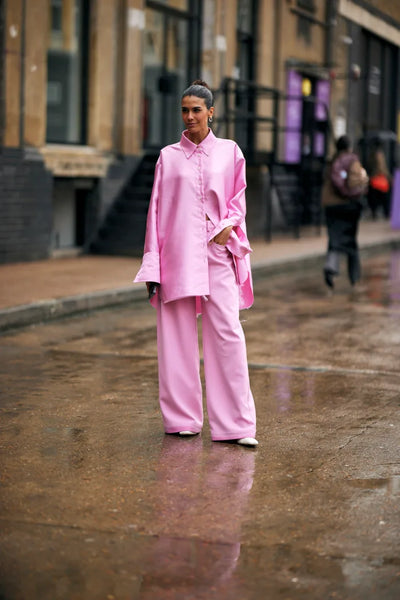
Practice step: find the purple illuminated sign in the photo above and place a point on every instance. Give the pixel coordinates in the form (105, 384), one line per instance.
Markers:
(395, 211)
(294, 109)
(322, 94)
(319, 144)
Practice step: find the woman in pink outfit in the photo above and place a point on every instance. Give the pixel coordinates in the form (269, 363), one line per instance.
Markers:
(196, 260)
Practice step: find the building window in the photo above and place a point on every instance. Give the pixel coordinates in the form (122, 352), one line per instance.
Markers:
(170, 62)
(67, 71)
(305, 11)
(245, 102)
(306, 5)
(245, 11)
(178, 4)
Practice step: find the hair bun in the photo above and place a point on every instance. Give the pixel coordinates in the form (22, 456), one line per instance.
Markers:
(200, 82)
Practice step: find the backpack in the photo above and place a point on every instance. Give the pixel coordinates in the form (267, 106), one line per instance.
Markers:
(348, 176)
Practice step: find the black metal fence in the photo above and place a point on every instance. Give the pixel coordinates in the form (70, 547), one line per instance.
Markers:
(255, 117)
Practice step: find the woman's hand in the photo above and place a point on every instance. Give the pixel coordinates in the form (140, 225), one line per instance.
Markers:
(223, 236)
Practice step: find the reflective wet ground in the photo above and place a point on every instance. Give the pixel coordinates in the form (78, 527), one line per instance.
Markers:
(97, 503)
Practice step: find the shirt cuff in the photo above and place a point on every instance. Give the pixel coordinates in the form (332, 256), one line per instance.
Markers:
(220, 227)
(238, 246)
(150, 269)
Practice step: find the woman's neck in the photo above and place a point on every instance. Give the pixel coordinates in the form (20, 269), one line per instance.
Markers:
(197, 138)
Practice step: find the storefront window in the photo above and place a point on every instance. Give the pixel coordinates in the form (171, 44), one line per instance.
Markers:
(66, 67)
(178, 4)
(245, 16)
(245, 69)
(166, 58)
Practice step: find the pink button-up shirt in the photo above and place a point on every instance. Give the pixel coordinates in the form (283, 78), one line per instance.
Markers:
(192, 181)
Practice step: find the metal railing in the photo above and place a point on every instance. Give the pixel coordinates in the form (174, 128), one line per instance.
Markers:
(253, 116)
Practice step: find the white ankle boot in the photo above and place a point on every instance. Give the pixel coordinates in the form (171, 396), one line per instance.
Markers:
(186, 433)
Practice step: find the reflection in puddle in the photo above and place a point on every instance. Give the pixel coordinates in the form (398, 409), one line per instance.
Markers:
(289, 391)
(394, 276)
(383, 281)
(69, 442)
(201, 492)
(281, 390)
(391, 485)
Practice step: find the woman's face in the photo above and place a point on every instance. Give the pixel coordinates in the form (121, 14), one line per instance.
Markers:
(195, 115)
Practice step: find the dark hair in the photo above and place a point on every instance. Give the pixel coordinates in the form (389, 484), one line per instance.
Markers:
(200, 89)
(343, 143)
(376, 143)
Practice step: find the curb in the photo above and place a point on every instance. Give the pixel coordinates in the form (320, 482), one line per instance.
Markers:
(58, 308)
(296, 263)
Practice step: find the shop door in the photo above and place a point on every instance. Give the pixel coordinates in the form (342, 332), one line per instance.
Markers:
(165, 68)
(245, 63)
(313, 146)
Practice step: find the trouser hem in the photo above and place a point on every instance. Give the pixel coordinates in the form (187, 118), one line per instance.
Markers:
(170, 430)
(220, 437)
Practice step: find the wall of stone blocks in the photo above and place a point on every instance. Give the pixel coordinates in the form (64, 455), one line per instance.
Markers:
(25, 206)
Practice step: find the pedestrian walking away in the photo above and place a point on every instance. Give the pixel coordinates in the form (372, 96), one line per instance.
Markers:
(196, 261)
(345, 183)
(380, 181)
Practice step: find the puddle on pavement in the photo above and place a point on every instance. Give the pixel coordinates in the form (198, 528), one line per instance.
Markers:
(282, 386)
(391, 485)
(95, 419)
(380, 285)
(382, 280)
(96, 565)
(122, 564)
(394, 277)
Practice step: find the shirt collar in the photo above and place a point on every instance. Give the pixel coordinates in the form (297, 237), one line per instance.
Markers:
(205, 146)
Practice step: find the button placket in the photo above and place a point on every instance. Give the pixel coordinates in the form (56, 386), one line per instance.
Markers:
(201, 207)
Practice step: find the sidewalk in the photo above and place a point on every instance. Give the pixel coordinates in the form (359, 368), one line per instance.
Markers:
(38, 291)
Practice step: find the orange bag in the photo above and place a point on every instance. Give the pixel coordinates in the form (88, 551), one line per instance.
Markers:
(380, 183)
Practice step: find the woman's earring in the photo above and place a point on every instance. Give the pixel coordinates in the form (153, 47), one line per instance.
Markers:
(210, 119)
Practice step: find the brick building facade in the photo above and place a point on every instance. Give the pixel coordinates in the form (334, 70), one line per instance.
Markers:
(90, 90)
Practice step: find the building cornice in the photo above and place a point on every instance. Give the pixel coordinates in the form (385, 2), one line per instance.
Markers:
(371, 18)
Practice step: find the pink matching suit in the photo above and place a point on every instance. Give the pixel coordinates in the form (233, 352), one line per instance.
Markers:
(198, 191)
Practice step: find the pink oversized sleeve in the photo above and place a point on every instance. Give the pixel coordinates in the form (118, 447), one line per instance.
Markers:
(236, 206)
(150, 268)
(238, 244)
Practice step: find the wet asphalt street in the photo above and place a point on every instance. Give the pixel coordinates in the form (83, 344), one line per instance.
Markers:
(97, 503)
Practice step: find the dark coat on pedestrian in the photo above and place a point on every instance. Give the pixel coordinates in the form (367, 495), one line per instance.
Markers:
(344, 184)
(345, 180)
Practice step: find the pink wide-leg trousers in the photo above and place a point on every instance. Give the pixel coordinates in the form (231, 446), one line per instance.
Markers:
(230, 404)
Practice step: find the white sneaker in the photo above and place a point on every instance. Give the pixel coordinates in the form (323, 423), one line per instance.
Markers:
(183, 433)
(247, 442)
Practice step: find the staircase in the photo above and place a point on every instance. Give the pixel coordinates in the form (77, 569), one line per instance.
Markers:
(299, 195)
(123, 230)
(287, 186)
